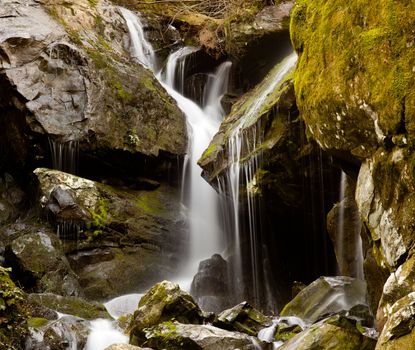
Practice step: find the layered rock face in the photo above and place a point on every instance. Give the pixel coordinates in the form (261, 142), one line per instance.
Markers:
(353, 89)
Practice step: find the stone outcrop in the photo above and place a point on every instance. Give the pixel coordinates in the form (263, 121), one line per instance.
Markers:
(66, 74)
(116, 240)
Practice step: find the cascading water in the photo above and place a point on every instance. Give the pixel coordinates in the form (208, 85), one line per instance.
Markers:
(65, 155)
(243, 140)
(203, 123)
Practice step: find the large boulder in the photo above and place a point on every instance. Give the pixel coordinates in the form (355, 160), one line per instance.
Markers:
(177, 336)
(65, 74)
(399, 330)
(335, 333)
(354, 87)
(163, 302)
(210, 286)
(117, 240)
(327, 296)
(37, 257)
(242, 318)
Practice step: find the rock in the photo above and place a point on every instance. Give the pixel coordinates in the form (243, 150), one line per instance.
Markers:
(326, 296)
(135, 238)
(344, 227)
(125, 347)
(385, 199)
(250, 39)
(13, 313)
(342, 99)
(163, 302)
(57, 335)
(70, 305)
(242, 318)
(38, 261)
(12, 199)
(399, 284)
(399, 330)
(210, 286)
(70, 78)
(177, 336)
(335, 333)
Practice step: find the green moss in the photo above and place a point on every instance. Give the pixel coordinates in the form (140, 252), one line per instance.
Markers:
(99, 218)
(93, 3)
(37, 322)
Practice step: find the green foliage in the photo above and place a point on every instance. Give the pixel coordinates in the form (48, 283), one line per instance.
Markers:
(13, 313)
(99, 218)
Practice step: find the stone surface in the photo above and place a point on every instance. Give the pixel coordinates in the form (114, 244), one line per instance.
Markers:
(335, 333)
(210, 286)
(242, 318)
(163, 302)
(353, 87)
(326, 296)
(399, 330)
(177, 336)
(117, 240)
(70, 305)
(67, 75)
(125, 347)
(38, 261)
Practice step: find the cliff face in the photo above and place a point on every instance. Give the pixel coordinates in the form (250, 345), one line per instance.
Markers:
(354, 88)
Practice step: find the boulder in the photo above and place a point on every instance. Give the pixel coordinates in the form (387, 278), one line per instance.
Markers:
(66, 75)
(354, 87)
(242, 318)
(58, 334)
(117, 240)
(326, 296)
(70, 305)
(210, 286)
(125, 347)
(36, 255)
(335, 333)
(399, 284)
(163, 302)
(177, 336)
(399, 330)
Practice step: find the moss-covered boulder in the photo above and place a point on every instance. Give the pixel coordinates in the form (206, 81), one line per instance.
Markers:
(242, 318)
(163, 302)
(178, 336)
(70, 78)
(13, 313)
(325, 296)
(117, 240)
(39, 264)
(70, 305)
(399, 330)
(354, 77)
(335, 333)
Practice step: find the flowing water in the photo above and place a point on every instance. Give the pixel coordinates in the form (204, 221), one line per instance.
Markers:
(65, 155)
(246, 134)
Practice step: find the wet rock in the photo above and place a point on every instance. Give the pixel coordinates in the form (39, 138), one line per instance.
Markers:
(344, 226)
(38, 261)
(399, 284)
(335, 333)
(66, 74)
(242, 318)
(326, 296)
(117, 240)
(399, 330)
(177, 336)
(210, 286)
(163, 302)
(61, 334)
(125, 347)
(70, 305)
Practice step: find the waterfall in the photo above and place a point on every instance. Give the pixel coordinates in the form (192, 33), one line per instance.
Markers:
(65, 155)
(245, 137)
(203, 123)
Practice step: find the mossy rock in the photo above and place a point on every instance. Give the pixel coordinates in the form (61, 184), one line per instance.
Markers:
(70, 305)
(355, 72)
